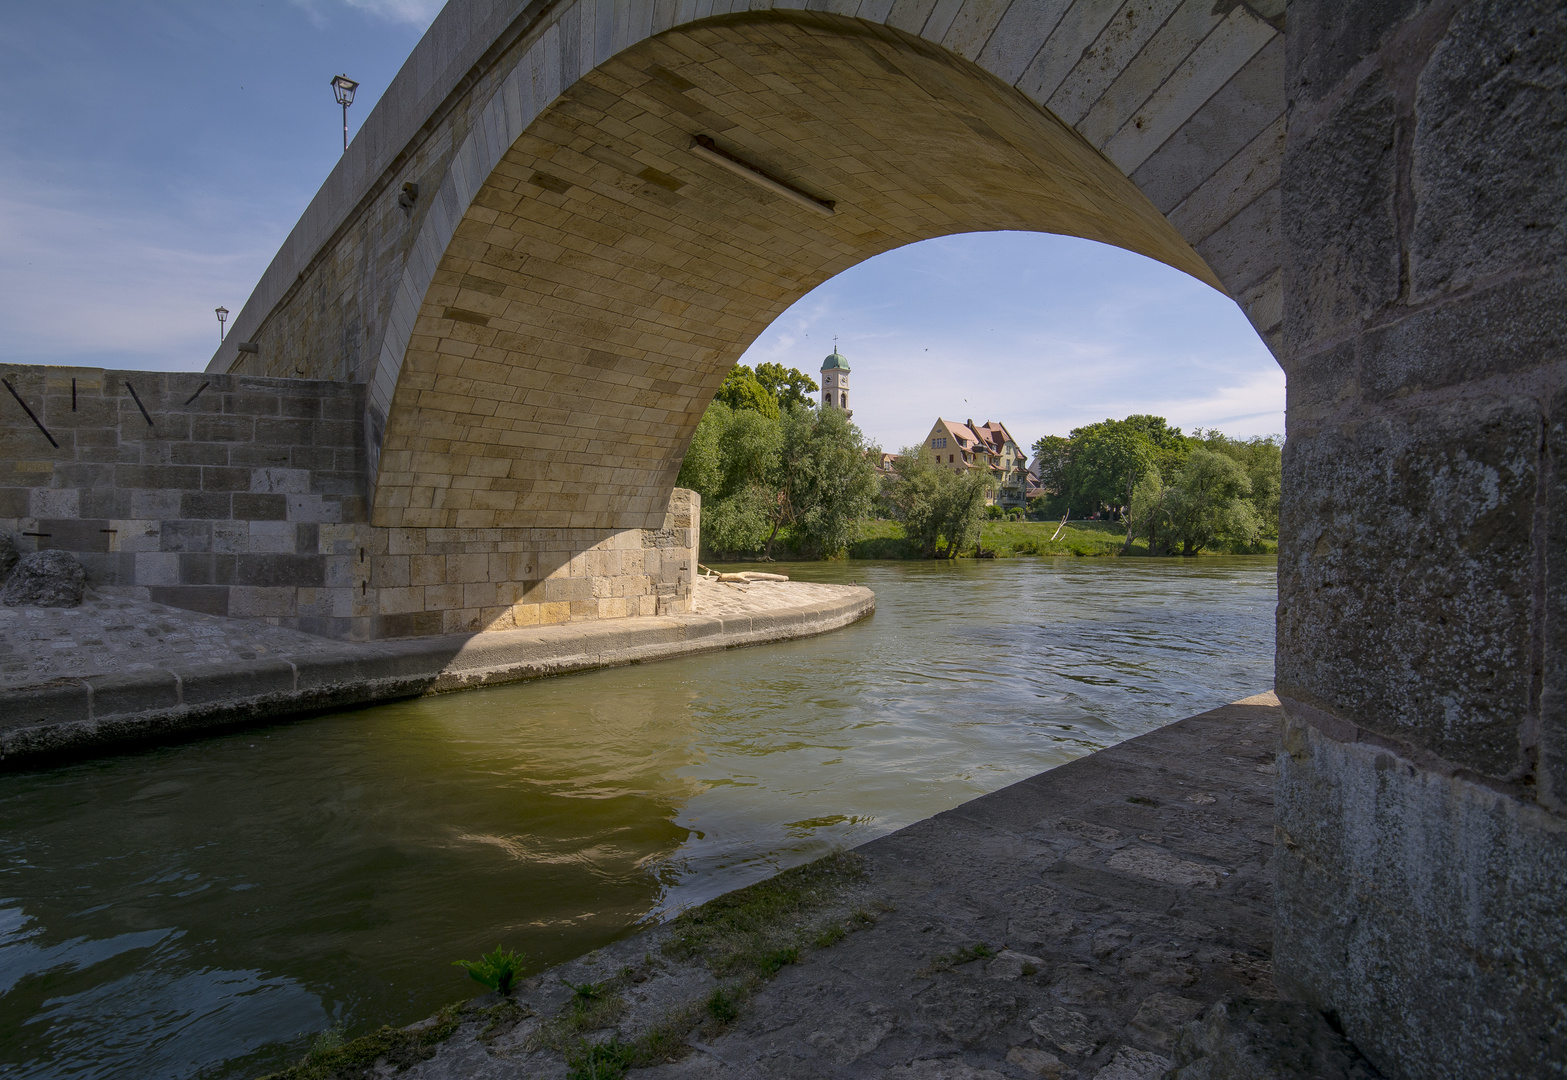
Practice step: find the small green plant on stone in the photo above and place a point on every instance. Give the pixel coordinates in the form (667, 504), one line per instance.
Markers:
(352, 1059)
(962, 956)
(770, 963)
(583, 993)
(722, 1007)
(830, 936)
(607, 1060)
(328, 1040)
(497, 970)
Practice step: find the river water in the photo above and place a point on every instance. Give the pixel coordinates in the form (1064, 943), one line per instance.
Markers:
(201, 910)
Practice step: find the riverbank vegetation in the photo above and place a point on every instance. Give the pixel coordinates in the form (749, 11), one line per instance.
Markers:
(1179, 494)
(780, 478)
(882, 539)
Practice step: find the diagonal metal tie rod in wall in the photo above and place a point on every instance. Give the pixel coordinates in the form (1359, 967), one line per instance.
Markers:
(708, 150)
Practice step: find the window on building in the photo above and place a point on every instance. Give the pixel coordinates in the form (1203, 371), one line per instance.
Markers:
(843, 401)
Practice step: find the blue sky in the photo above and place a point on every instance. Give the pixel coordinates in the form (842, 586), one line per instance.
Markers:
(155, 153)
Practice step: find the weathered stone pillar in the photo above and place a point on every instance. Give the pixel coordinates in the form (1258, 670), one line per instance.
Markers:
(1422, 863)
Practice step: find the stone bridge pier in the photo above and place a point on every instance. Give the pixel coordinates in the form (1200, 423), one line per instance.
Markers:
(565, 220)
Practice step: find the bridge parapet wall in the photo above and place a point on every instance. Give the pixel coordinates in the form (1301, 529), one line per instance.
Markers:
(244, 496)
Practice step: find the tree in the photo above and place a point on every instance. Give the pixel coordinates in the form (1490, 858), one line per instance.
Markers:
(1263, 458)
(916, 496)
(733, 464)
(1150, 513)
(963, 507)
(789, 386)
(1052, 457)
(833, 485)
(741, 390)
(1209, 502)
(936, 504)
(1107, 461)
(804, 476)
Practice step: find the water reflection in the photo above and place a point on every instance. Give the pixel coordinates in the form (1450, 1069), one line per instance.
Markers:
(201, 910)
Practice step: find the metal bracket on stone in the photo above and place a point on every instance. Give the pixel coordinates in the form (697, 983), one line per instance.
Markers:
(197, 394)
(137, 399)
(31, 415)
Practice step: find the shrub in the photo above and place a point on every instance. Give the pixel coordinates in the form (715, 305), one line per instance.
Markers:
(497, 970)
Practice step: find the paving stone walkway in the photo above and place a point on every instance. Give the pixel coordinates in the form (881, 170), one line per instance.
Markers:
(112, 633)
(1069, 927)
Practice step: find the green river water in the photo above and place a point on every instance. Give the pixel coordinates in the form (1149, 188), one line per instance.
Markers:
(202, 910)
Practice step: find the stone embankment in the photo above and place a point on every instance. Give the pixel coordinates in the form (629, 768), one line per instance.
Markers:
(1111, 919)
(117, 671)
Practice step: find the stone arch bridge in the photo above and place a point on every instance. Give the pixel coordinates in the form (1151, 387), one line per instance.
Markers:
(497, 324)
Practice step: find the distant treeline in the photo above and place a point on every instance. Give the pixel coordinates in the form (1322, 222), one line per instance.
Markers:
(781, 478)
(1180, 493)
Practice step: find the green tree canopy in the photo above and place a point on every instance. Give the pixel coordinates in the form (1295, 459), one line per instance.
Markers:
(802, 475)
(1108, 459)
(1052, 456)
(936, 503)
(790, 386)
(747, 389)
(741, 390)
(1208, 502)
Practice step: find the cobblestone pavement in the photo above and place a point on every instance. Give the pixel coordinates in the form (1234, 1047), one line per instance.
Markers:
(112, 633)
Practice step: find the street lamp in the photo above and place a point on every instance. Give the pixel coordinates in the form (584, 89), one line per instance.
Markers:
(223, 317)
(343, 89)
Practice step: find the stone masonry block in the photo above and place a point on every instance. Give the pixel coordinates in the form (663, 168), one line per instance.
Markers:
(54, 503)
(224, 478)
(1404, 594)
(158, 505)
(1327, 40)
(132, 535)
(312, 508)
(480, 594)
(1430, 899)
(208, 505)
(253, 507)
(249, 602)
(231, 537)
(439, 597)
(157, 568)
(279, 481)
(1553, 692)
(185, 536)
(1510, 328)
(392, 572)
(1341, 223)
(1489, 144)
(565, 590)
(270, 537)
(278, 570)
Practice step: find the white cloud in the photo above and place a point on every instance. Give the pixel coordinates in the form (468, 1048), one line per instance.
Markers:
(418, 13)
(98, 287)
(414, 12)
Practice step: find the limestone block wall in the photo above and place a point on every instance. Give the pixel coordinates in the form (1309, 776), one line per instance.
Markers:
(1422, 803)
(244, 496)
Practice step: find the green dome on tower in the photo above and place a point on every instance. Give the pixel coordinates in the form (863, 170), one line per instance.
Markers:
(835, 361)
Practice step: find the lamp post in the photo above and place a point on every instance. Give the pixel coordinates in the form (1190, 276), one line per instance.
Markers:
(343, 89)
(223, 317)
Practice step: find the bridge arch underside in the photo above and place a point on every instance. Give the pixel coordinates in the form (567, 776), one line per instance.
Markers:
(604, 277)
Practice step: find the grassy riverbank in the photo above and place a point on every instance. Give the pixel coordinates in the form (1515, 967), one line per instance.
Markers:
(1009, 539)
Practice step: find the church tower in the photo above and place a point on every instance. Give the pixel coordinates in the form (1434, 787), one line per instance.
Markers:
(835, 381)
